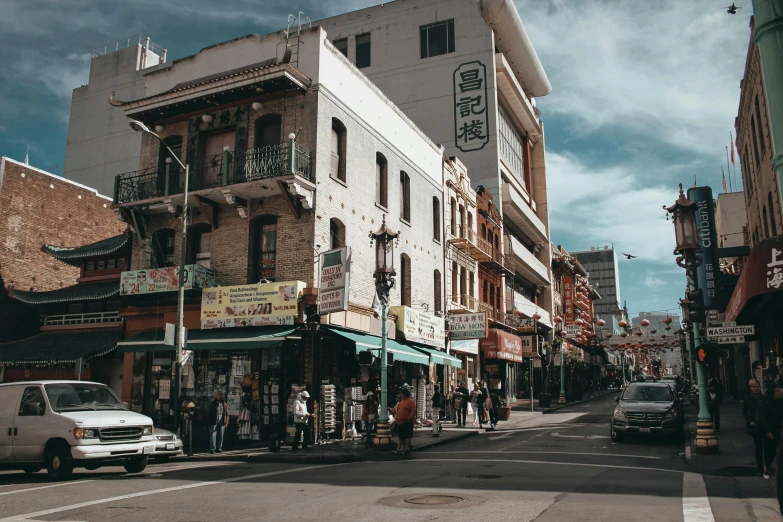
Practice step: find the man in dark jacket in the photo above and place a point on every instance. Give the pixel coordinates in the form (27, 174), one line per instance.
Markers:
(218, 421)
(461, 399)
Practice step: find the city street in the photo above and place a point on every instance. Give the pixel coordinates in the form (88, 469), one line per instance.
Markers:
(558, 466)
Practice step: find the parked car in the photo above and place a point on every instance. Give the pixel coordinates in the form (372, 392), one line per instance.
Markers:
(647, 407)
(60, 425)
(167, 445)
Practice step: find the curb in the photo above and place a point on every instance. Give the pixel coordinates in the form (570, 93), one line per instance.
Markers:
(550, 410)
(312, 458)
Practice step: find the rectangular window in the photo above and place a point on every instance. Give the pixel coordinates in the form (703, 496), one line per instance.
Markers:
(110, 264)
(90, 266)
(266, 241)
(512, 145)
(437, 39)
(101, 265)
(761, 127)
(435, 218)
(341, 45)
(755, 141)
(405, 197)
(363, 50)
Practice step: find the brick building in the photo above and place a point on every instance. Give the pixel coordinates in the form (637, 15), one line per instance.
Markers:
(37, 208)
(289, 157)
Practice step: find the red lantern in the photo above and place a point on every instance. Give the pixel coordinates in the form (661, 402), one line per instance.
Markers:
(644, 322)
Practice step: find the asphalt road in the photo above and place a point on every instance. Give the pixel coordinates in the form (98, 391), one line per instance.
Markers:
(553, 467)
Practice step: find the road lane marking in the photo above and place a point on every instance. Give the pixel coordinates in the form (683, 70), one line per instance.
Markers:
(544, 452)
(28, 516)
(695, 503)
(503, 436)
(548, 463)
(110, 475)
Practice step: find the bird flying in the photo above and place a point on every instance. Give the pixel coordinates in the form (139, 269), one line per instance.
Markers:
(629, 256)
(732, 9)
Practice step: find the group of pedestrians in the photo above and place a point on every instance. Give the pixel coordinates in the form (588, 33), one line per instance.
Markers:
(763, 413)
(485, 406)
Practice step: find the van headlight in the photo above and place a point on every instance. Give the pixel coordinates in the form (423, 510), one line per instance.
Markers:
(85, 433)
(619, 414)
(147, 430)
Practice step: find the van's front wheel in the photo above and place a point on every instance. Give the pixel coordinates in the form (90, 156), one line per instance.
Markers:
(136, 465)
(59, 464)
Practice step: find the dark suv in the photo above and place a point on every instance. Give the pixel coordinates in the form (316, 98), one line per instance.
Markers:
(647, 407)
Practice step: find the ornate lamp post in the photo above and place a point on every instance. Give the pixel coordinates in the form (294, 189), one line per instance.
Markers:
(689, 257)
(562, 399)
(384, 240)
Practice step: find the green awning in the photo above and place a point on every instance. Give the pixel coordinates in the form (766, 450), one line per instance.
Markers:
(60, 347)
(250, 338)
(439, 357)
(365, 342)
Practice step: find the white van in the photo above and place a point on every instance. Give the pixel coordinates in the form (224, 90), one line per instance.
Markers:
(60, 425)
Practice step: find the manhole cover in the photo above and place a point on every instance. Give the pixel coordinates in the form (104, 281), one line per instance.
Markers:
(483, 476)
(433, 500)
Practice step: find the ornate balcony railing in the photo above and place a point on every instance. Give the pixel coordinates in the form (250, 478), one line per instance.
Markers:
(219, 170)
(88, 318)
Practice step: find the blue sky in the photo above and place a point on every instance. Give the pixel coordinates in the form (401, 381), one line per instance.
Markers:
(644, 97)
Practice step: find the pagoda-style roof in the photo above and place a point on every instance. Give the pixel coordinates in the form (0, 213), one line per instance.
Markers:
(61, 347)
(74, 255)
(78, 292)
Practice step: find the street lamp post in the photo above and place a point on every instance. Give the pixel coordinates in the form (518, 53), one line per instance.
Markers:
(562, 399)
(689, 257)
(384, 240)
(141, 127)
(536, 317)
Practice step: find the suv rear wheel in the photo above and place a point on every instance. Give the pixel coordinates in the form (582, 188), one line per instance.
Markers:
(136, 465)
(59, 464)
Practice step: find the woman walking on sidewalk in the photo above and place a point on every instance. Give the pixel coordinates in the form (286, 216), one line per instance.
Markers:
(475, 395)
(749, 408)
(769, 419)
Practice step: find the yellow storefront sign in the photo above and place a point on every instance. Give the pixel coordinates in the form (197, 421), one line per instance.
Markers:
(268, 304)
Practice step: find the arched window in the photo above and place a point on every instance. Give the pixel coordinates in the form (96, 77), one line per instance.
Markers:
(460, 222)
(771, 207)
(406, 287)
(263, 249)
(336, 233)
(438, 291)
(268, 130)
(338, 147)
(199, 245)
(162, 244)
(381, 180)
(435, 218)
(175, 144)
(454, 282)
(453, 230)
(766, 222)
(405, 196)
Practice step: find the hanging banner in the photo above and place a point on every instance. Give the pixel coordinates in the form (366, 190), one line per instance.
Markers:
(468, 326)
(155, 280)
(419, 327)
(529, 348)
(267, 304)
(568, 299)
(471, 102)
(708, 272)
(334, 281)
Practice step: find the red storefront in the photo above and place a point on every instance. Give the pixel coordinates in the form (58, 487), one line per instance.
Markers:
(501, 361)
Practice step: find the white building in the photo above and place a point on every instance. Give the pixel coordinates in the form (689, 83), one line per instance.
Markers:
(467, 74)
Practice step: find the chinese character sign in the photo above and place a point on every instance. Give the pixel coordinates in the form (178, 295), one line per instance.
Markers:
(775, 272)
(568, 300)
(471, 119)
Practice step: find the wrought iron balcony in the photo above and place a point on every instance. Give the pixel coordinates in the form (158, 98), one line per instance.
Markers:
(88, 318)
(224, 169)
(465, 238)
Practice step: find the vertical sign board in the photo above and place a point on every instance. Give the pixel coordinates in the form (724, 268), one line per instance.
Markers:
(471, 114)
(334, 280)
(568, 299)
(709, 270)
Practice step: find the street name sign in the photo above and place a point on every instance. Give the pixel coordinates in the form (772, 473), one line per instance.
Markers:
(726, 331)
(731, 339)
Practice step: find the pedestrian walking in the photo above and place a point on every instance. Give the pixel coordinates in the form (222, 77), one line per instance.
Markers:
(436, 404)
(475, 395)
(404, 419)
(370, 415)
(769, 417)
(713, 404)
(749, 409)
(461, 398)
(450, 413)
(301, 417)
(494, 410)
(218, 421)
(483, 404)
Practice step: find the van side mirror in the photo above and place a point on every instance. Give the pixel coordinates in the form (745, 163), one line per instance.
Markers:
(34, 408)
(617, 399)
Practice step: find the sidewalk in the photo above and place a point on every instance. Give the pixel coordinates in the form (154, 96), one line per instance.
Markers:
(332, 452)
(736, 456)
(524, 404)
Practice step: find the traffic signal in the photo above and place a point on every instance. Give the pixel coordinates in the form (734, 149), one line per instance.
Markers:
(693, 306)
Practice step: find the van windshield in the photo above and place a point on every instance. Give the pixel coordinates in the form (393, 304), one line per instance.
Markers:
(79, 396)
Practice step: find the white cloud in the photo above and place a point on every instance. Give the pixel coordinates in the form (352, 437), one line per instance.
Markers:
(668, 70)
